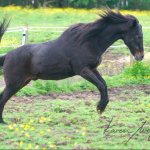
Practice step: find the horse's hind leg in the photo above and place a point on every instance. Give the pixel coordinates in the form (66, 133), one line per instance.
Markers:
(7, 93)
(16, 74)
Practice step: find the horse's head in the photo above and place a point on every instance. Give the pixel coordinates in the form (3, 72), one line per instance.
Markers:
(133, 38)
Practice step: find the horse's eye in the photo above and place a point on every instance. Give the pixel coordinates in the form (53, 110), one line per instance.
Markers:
(138, 37)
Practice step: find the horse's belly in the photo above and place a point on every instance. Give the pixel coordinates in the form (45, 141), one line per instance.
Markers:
(54, 76)
(53, 72)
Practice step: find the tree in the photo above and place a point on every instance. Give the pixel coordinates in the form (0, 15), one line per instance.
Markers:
(88, 4)
(44, 3)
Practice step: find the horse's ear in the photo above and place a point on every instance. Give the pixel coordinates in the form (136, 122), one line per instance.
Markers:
(134, 23)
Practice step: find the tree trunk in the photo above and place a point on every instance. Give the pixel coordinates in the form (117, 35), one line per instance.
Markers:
(44, 4)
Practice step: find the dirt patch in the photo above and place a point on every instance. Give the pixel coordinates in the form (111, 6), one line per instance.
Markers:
(2, 83)
(115, 93)
(113, 63)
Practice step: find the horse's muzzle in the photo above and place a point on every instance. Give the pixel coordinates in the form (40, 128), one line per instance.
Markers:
(139, 56)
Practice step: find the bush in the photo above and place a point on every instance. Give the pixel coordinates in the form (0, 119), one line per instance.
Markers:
(138, 74)
(139, 70)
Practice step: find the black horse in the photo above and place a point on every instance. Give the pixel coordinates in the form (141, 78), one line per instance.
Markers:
(77, 51)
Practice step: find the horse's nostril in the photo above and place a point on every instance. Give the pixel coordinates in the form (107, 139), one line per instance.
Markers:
(142, 56)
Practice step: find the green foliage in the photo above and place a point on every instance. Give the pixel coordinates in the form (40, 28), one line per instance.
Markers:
(139, 69)
(28, 91)
(138, 74)
(42, 87)
(82, 2)
(123, 4)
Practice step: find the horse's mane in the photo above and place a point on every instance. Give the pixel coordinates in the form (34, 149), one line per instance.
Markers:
(82, 32)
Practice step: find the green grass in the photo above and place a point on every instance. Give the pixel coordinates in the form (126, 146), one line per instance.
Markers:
(58, 18)
(44, 87)
(66, 124)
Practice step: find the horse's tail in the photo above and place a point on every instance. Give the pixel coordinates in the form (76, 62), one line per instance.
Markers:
(3, 27)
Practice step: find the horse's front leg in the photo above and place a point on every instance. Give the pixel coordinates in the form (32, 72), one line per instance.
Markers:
(88, 74)
(97, 74)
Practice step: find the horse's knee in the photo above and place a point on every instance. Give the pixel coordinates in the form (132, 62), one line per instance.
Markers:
(101, 88)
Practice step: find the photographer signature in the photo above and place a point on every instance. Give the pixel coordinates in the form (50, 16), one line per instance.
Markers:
(140, 129)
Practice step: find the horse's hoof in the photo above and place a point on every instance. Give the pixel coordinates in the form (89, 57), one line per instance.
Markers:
(100, 111)
(100, 108)
(3, 122)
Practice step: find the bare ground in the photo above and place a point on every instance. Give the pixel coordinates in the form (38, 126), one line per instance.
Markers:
(113, 92)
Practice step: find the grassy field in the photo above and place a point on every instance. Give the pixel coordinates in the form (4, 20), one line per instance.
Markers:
(44, 123)
(66, 124)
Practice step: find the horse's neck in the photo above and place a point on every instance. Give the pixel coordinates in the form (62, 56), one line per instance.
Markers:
(107, 38)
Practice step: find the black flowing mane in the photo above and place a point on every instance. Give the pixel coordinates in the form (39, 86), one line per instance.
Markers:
(83, 32)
